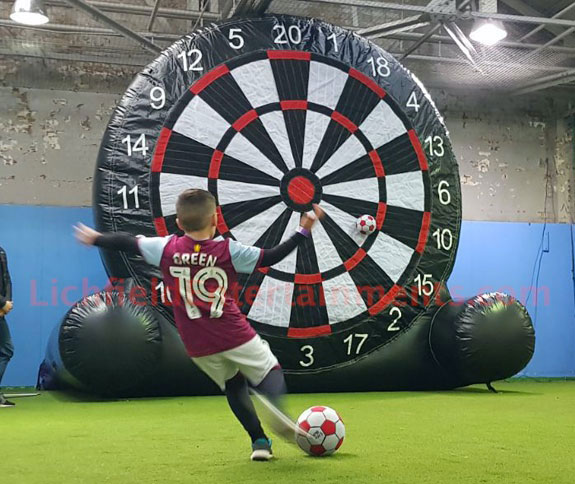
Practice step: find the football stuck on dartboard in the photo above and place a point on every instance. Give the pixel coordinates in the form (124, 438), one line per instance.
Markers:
(325, 431)
(366, 224)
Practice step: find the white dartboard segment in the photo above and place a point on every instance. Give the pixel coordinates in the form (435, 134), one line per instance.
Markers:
(315, 127)
(366, 189)
(289, 263)
(241, 149)
(272, 304)
(171, 185)
(257, 82)
(348, 152)
(391, 255)
(382, 126)
(343, 300)
(326, 252)
(274, 123)
(200, 122)
(234, 191)
(249, 231)
(325, 84)
(406, 190)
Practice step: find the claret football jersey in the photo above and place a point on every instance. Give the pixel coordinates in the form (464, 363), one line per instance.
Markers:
(202, 277)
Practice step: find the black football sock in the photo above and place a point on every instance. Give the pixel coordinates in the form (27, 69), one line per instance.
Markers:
(273, 386)
(241, 404)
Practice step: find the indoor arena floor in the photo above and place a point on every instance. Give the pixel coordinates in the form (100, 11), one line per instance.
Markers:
(525, 433)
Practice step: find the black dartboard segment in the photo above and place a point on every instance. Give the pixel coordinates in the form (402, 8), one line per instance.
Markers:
(272, 115)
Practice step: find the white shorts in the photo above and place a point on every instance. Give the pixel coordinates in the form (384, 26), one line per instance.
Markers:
(254, 360)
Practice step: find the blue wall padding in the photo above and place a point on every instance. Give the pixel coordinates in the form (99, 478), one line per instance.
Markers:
(502, 256)
(492, 256)
(43, 254)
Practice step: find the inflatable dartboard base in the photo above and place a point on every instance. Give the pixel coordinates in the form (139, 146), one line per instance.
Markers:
(136, 352)
(115, 347)
(487, 338)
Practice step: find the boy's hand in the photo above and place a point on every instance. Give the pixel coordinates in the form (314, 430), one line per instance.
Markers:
(307, 221)
(85, 235)
(6, 308)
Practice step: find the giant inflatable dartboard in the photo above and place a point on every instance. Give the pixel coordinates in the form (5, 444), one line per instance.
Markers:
(272, 115)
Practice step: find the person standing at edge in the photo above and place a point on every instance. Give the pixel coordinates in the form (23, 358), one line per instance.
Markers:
(6, 305)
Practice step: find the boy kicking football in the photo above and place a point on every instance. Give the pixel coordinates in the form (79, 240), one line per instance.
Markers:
(217, 336)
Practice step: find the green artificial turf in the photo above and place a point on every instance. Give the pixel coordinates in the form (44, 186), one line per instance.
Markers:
(525, 433)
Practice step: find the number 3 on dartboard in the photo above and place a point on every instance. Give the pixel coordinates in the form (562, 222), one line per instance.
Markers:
(307, 351)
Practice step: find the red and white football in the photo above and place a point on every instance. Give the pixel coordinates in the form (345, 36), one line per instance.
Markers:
(325, 431)
(366, 224)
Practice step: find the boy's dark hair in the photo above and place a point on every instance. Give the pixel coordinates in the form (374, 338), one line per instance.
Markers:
(194, 209)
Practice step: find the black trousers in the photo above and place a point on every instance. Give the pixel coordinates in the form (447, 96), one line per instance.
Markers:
(6, 346)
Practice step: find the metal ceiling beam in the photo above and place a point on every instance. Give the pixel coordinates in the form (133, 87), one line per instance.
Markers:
(450, 9)
(446, 39)
(421, 41)
(523, 19)
(245, 7)
(139, 10)
(549, 78)
(395, 26)
(372, 4)
(173, 37)
(553, 41)
(524, 9)
(92, 59)
(461, 41)
(541, 27)
(464, 16)
(153, 15)
(78, 29)
(125, 31)
(559, 79)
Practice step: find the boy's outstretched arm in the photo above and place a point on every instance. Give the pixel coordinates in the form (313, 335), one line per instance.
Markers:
(278, 253)
(114, 241)
(151, 248)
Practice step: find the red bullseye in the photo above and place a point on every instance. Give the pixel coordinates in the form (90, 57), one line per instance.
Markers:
(301, 190)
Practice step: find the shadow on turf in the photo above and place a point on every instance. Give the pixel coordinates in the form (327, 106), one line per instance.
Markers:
(476, 390)
(337, 455)
(77, 396)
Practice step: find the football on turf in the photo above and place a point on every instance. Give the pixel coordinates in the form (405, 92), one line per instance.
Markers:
(325, 431)
(366, 224)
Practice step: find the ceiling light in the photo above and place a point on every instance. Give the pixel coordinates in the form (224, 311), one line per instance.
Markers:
(488, 32)
(29, 12)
